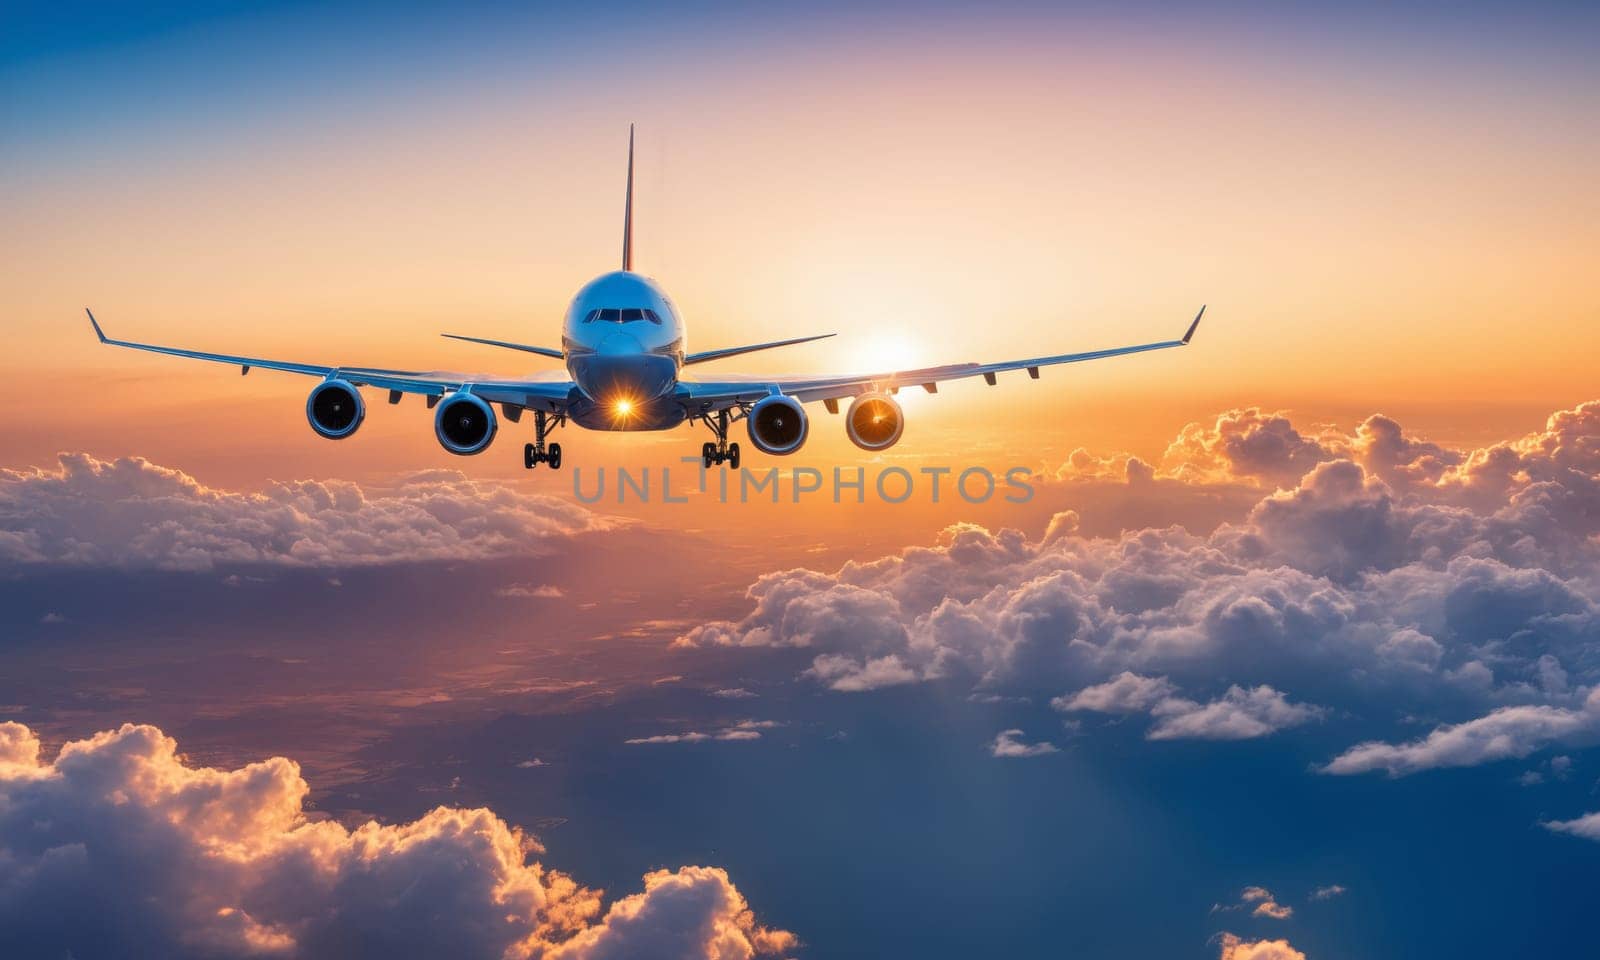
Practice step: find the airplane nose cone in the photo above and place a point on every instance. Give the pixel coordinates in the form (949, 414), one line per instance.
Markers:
(619, 344)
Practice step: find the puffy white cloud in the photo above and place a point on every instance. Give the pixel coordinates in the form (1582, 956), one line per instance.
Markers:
(1509, 732)
(133, 514)
(1246, 444)
(1127, 692)
(1239, 714)
(120, 845)
(1327, 893)
(1234, 948)
(1586, 826)
(1009, 744)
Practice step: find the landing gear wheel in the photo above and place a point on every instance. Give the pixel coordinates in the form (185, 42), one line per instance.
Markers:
(537, 452)
(719, 451)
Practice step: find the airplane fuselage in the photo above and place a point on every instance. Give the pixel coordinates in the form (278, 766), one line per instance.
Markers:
(623, 342)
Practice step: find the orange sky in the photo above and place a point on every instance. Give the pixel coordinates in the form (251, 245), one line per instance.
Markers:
(1416, 239)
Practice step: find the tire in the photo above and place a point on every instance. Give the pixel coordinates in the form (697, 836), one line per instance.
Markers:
(733, 455)
(554, 456)
(529, 459)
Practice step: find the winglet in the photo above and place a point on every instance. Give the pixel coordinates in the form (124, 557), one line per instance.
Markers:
(96, 324)
(1194, 326)
(627, 212)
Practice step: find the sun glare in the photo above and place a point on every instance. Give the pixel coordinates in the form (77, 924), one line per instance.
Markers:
(887, 353)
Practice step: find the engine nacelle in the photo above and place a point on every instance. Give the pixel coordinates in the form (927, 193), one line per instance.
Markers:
(874, 421)
(778, 425)
(335, 409)
(464, 424)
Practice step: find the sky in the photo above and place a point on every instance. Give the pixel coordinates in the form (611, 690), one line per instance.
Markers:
(1292, 650)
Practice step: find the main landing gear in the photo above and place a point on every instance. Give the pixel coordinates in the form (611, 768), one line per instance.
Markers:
(719, 451)
(536, 452)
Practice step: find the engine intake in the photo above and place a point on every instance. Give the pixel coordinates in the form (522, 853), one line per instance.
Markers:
(778, 425)
(335, 409)
(464, 424)
(874, 421)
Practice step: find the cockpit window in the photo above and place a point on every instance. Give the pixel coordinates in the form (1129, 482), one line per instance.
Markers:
(621, 315)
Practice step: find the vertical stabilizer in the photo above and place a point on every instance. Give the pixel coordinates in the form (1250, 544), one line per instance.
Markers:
(627, 212)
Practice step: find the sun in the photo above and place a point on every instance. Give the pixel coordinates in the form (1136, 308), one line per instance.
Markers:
(887, 353)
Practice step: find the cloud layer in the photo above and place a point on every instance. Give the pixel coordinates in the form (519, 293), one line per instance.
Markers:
(120, 848)
(1376, 569)
(133, 514)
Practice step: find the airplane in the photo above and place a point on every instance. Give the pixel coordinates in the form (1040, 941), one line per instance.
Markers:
(623, 342)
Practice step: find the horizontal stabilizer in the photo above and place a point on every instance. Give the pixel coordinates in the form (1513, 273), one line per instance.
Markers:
(541, 351)
(703, 356)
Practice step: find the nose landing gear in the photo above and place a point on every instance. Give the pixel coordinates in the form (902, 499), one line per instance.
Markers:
(720, 451)
(536, 452)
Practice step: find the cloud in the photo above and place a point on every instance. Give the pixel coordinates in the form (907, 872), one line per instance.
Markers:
(1374, 568)
(734, 693)
(1509, 732)
(132, 514)
(1260, 902)
(1127, 692)
(1234, 948)
(1246, 444)
(693, 736)
(1008, 744)
(743, 730)
(1239, 714)
(118, 840)
(1586, 826)
(1326, 893)
(530, 591)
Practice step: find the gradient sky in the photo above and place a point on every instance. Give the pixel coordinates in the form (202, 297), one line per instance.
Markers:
(1389, 211)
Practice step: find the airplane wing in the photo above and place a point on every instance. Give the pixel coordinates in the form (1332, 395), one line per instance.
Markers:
(547, 395)
(704, 397)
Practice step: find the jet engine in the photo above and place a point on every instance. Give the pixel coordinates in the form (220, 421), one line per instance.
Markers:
(874, 421)
(778, 425)
(464, 424)
(335, 409)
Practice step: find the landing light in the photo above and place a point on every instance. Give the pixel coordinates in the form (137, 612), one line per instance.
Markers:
(624, 407)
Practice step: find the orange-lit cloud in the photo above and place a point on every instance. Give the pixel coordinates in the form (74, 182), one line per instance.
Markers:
(131, 513)
(120, 839)
(1234, 948)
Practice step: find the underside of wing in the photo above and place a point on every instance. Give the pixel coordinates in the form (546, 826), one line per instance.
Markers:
(547, 395)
